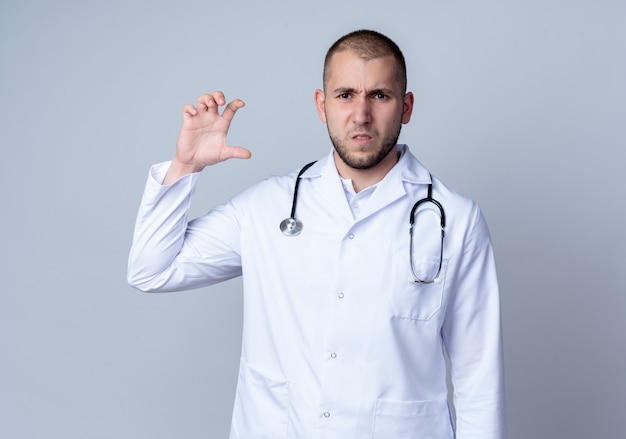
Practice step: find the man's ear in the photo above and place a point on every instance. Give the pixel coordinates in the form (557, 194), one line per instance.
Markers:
(320, 104)
(407, 107)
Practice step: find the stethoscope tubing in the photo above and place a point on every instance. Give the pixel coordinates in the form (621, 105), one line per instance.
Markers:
(292, 226)
(295, 190)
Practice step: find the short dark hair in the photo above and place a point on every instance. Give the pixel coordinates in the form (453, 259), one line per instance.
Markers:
(367, 44)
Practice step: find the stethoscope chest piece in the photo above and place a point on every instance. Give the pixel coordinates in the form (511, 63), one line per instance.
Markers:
(291, 226)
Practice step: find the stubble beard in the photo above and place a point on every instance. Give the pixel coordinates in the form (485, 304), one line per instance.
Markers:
(352, 160)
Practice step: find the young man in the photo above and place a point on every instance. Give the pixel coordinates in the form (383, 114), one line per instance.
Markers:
(346, 320)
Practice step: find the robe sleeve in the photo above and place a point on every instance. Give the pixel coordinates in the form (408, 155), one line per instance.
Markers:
(472, 336)
(171, 253)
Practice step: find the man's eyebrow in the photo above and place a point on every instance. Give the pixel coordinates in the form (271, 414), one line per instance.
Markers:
(341, 90)
(382, 90)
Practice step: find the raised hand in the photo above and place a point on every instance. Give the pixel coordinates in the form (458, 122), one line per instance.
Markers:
(202, 138)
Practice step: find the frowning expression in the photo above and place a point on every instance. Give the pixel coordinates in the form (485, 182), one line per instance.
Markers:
(364, 106)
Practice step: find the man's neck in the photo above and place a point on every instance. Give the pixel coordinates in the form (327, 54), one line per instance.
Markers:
(364, 178)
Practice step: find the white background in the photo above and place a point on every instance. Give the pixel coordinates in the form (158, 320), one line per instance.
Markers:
(520, 105)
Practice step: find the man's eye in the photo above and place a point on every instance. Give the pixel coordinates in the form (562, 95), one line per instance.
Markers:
(344, 95)
(380, 96)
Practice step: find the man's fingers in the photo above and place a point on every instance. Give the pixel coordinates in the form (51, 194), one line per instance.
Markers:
(231, 109)
(211, 101)
(189, 111)
(236, 152)
(208, 104)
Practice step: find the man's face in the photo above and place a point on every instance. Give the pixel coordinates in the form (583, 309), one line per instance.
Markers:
(363, 106)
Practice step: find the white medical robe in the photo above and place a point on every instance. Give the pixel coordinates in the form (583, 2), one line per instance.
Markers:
(339, 342)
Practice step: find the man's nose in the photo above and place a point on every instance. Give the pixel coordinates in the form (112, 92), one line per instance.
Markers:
(362, 111)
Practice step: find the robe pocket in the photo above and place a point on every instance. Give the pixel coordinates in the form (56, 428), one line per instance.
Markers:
(414, 300)
(412, 420)
(261, 405)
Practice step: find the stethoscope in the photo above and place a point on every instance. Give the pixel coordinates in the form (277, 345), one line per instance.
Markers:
(292, 226)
